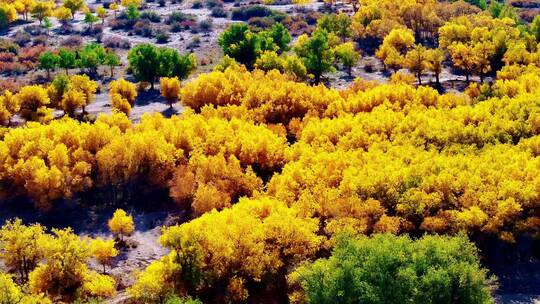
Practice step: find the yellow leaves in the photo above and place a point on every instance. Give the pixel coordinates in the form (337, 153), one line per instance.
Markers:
(11, 293)
(98, 285)
(127, 3)
(62, 13)
(103, 250)
(72, 100)
(213, 182)
(9, 105)
(22, 246)
(64, 271)
(85, 85)
(170, 89)
(122, 95)
(101, 12)
(121, 223)
(125, 89)
(253, 238)
(53, 264)
(9, 10)
(120, 104)
(156, 281)
(31, 98)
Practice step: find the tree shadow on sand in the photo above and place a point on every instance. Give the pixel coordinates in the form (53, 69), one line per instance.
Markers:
(169, 112)
(145, 98)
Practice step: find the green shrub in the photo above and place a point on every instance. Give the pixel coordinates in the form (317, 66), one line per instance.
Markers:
(397, 269)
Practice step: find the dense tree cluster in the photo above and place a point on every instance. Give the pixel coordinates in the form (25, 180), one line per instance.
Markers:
(53, 264)
(369, 159)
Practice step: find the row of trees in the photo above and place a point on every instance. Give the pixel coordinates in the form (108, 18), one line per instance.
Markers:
(74, 93)
(90, 57)
(42, 10)
(314, 55)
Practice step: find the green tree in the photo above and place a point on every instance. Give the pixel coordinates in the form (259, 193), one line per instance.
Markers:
(280, 37)
(90, 19)
(316, 54)
(132, 13)
(339, 24)
(240, 43)
(4, 19)
(112, 60)
(535, 27)
(347, 56)
(173, 64)
(67, 59)
(48, 62)
(144, 62)
(47, 24)
(396, 269)
(91, 57)
(58, 87)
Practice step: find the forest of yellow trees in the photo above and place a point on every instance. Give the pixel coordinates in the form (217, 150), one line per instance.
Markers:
(291, 190)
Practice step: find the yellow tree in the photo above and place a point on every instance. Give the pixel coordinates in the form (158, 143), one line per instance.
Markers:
(9, 11)
(63, 14)
(102, 13)
(121, 224)
(170, 89)
(114, 7)
(463, 58)
(10, 293)
(435, 59)
(124, 88)
(64, 271)
(416, 61)
(103, 251)
(21, 246)
(9, 106)
(73, 6)
(156, 281)
(85, 85)
(483, 53)
(42, 9)
(31, 98)
(120, 104)
(253, 240)
(24, 7)
(71, 100)
(126, 3)
(394, 46)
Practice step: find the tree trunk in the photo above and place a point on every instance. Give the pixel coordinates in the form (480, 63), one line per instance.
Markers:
(419, 76)
(437, 81)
